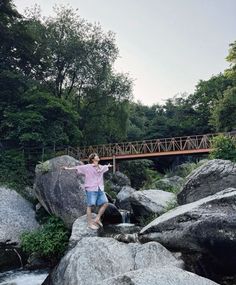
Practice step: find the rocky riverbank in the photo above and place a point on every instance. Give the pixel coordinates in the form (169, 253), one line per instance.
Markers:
(194, 242)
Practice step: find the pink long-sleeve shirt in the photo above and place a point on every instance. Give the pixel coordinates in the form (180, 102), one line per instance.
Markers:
(93, 176)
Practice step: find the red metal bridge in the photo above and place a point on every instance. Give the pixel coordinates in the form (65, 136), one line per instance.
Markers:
(148, 148)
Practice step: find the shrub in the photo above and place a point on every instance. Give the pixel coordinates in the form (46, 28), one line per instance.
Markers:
(138, 171)
(50, 241)
(182, 170)
(151, 178)
(224, 147)
(44, 167)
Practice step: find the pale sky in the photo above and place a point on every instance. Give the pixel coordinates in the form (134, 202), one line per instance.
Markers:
(166, 46)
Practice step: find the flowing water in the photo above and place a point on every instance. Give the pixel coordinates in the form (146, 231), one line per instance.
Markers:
(23, 277)
(125, 216)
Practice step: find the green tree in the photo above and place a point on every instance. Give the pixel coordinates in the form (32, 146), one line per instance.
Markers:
(224, 114)
(224, 147)
(231, 58)
(175, 118)
(79, 61)
(140, 117)
(35, 118)
(18, 45)
(205, 97)
(138, 171)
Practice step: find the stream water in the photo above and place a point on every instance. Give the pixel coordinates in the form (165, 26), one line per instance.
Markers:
(23, 277)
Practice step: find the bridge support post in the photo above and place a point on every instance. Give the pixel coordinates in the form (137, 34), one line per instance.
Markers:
(114, 163)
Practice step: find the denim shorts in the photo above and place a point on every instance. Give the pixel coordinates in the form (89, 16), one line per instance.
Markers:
(96, 198)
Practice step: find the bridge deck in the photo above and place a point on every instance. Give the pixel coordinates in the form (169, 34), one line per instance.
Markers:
(148, 148)
(150, 155)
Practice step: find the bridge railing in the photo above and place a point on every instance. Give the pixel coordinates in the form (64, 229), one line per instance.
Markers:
(195, 142)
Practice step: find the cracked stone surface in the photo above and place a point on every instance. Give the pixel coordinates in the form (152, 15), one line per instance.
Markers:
(210, 178)
(166, 275)
(152, 201)
(61, 192)
(204, 231)
(16, 216)
(95, 259)
(196, 226)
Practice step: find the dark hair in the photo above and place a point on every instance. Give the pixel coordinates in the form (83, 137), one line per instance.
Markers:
(91, 157)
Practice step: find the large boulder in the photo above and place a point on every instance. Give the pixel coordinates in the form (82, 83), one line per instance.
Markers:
(16, 217)
(151, 276)
(61, 192)
(147, 202)
(123, 198)
(205, 227)
(210, 178)
(117, 180)
(96, 259)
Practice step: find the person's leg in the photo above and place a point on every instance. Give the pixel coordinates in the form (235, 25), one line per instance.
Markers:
(91, 202)
(100, 213)
(89, 215)
(102, 202)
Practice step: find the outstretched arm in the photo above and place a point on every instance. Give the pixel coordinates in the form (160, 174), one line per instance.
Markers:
(79, 168)
(69, 168)
(105, 168)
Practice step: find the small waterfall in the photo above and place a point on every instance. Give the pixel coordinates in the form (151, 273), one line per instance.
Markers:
(125, 216)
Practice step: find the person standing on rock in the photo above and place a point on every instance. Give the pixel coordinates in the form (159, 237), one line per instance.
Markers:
(94, 187)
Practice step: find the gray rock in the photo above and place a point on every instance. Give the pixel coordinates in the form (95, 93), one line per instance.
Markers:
(96, 259)
(61, 192)
(117, 181)
(210, 178)
(148, 202)
(206, 226)
(124, 228)
(111, 215)
(189, 226)
(167, 275)
(80, 230)
(123, 197)
(124, 232)
(16, 216)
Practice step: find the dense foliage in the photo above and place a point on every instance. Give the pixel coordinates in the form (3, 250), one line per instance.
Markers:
(58, 87)
(13, 172)
(211, 108)
(138, 171)
(224, 147)
(50, 241)
(57, 80)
